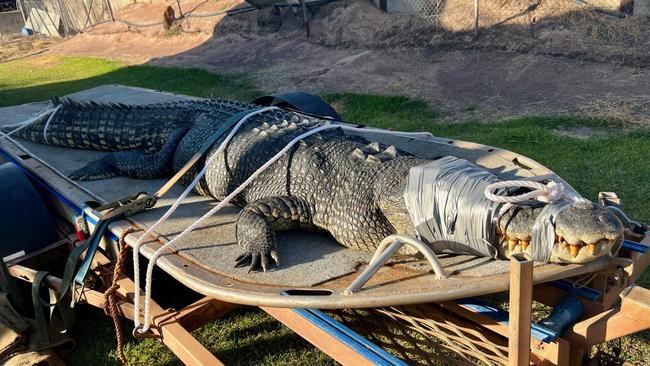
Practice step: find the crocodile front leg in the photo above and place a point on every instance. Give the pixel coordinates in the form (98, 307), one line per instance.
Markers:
(258, 222)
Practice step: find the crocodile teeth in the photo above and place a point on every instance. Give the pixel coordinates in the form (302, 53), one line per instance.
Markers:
(575, 248)
(524, 244)
(591, 248)
(512, 243)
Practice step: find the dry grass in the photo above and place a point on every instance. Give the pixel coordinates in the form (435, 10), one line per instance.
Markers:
(634, 112)
(13, 47)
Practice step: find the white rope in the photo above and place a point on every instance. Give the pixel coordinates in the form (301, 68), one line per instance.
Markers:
(24, 124)
(139, 242)
(233, 194)
(47, 124)
(547, 193)
(145, 326)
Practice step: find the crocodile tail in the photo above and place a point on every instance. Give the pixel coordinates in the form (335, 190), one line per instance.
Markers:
(106, 126)
(25, 129)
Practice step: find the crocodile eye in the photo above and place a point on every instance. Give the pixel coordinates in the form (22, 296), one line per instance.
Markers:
(604, 217)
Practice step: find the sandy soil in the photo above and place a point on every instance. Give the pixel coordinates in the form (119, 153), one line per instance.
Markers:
(537, 62)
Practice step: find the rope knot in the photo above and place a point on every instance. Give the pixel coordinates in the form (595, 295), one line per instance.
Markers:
(547, 193)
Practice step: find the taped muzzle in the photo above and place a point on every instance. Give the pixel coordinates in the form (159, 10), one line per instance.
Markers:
(446, 202)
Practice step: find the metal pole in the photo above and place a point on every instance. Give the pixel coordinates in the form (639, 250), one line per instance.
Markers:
(180, 11)
(521, 300)
(476, 18)
(110, 10)
(19, 3)
(66, 29)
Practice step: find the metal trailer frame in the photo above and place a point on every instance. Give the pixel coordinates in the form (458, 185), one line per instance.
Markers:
(602, 321)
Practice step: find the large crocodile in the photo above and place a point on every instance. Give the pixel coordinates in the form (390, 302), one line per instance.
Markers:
(345, 185)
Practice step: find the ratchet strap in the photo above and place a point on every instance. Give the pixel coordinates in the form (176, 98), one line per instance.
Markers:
(301, 102)
(230, 122)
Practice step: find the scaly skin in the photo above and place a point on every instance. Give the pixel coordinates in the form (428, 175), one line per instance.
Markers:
(345, 185)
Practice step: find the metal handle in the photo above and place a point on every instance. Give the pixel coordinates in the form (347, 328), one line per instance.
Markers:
(389, 246)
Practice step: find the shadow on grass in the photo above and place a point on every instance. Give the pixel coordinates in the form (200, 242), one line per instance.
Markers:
(99, 72)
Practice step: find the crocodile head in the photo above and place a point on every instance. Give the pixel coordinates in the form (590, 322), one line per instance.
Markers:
(584, 232)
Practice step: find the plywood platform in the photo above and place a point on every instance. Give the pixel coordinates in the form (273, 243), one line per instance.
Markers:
(204, 259)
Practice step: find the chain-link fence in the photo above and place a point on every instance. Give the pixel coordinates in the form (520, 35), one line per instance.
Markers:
(459, 15)
(607, 30)
(64, 17)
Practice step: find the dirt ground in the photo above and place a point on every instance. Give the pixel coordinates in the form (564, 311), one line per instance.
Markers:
(531, 62)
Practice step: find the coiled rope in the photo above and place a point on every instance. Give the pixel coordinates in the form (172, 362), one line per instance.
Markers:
(550, 192)
(112, 297)
(547, 193)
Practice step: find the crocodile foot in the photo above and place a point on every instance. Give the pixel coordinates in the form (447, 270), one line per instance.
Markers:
(257, 237)
(102, 168)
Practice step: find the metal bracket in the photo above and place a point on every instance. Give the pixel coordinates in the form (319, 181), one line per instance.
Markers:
(146, 335)
(128, 206)
(636, 226)
(389, 246)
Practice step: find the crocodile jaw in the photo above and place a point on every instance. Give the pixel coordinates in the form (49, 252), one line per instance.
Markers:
(584, 232)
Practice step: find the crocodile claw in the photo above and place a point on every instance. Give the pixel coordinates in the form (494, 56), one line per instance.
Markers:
(243, 260)
(257, 260)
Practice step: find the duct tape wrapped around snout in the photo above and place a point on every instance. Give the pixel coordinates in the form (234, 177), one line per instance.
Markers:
(447, 205)
(448, 208)
(543, 232)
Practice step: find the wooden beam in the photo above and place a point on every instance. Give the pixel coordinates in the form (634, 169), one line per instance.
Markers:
(633, 316)
(550, 296)
(318, 337)
(521, 299)
(207, 309)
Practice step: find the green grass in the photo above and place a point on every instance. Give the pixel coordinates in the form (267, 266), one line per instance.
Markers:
(617, 160)
(40, 78)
